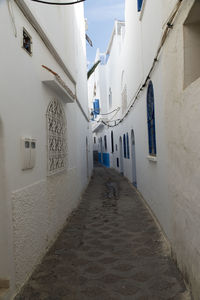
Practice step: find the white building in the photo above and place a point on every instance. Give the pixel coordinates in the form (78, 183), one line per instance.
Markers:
(45, 157)
(153, 75)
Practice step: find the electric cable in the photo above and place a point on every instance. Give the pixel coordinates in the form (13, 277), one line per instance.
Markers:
(169, 26)
(106, 113)
(57, 3)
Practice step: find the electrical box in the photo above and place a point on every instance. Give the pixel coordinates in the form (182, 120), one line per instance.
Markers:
(28, 153)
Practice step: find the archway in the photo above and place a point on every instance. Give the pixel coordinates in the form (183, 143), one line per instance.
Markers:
(133, 158)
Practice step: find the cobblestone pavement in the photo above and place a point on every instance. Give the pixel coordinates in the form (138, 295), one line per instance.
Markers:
(110, 249)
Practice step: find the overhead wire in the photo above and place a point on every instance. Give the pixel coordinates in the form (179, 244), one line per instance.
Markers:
(169, 25)
(108, 112)
(58, 3)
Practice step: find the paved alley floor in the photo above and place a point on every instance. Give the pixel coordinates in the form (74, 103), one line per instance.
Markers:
(110, 249)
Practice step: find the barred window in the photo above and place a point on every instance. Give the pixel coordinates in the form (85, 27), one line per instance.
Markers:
(56, 137)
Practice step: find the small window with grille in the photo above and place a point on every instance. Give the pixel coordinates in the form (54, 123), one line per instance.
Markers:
(56, 137)
(27, 42)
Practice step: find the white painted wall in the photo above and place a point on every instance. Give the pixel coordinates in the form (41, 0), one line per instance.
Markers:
(170, 184)
(182, 130)
(34, 207)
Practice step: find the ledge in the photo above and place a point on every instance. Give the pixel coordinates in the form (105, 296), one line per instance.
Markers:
(33, 21)
(97, 127)
(60, 88)
(152, 158)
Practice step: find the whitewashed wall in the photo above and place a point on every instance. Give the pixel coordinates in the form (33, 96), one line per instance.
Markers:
(170, 184)
(34, 206)
(182, 131)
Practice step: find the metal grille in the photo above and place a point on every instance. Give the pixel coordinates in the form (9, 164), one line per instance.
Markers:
(56, 130)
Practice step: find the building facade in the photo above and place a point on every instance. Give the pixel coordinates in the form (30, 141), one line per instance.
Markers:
(45, 139)
(151, 84)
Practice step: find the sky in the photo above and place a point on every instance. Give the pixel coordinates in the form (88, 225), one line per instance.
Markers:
(101, 15)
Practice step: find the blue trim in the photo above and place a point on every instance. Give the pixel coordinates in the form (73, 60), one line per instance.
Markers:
(139, 4)
(106, 159)
(96, 107)
(151, 119)
(124, 143)
(99, 158)
(112, 142)
(127, 145)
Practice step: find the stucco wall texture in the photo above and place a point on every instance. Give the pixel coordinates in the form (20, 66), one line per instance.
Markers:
(35, 206)
(39, 212)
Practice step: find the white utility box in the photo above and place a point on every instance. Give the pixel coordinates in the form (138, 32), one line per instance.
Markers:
(28, 153)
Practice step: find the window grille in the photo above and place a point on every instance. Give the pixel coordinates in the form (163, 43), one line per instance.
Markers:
(56, 136)
(151, 120)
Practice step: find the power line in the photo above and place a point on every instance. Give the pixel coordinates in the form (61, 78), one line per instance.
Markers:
(106, 113)
(169, 26)
(57, 3)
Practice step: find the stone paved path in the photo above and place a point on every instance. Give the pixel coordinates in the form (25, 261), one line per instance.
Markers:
(111, 249)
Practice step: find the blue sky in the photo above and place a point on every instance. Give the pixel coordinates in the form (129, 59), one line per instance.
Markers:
(101, 15)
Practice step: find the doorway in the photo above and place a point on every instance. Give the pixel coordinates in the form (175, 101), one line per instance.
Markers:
(133, 158)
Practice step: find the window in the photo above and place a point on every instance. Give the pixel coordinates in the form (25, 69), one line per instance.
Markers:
(27, 41)
(191, 31)
(139, 4)
(124, 143)
(112, 142)
(56, 141)
(116, 147)
(105, 142)
(151, 120)
(94, 140)
(127, 145)
(96, 107)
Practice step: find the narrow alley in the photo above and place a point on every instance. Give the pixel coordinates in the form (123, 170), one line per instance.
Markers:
(110, 249)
